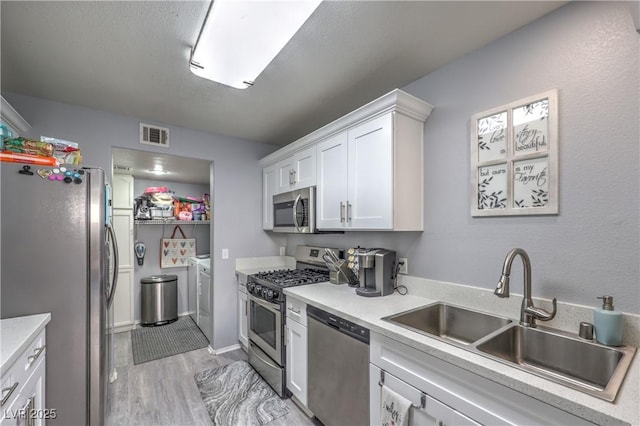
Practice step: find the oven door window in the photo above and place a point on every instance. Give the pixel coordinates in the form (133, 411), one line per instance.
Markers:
(264, 323)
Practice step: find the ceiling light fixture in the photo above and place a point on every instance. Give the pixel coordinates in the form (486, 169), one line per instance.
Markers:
(158, 170)
(240, 38)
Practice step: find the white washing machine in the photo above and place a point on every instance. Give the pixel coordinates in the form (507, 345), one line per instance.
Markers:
(195, 266)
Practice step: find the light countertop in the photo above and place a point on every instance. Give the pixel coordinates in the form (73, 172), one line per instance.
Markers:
(342, 300)
(16, 334)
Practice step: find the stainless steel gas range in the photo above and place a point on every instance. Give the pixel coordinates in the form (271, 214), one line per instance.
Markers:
(267, 311)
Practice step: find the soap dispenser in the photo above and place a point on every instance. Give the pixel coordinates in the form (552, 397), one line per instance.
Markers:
(608, 323)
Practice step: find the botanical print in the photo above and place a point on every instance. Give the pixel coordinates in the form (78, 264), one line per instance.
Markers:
(492, 187)
(492, 137)
(531, 183)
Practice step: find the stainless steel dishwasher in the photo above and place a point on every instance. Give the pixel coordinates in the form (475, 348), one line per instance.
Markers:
(338, 369)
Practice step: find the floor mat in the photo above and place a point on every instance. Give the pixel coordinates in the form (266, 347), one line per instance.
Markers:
(236, 395)
(149, 343)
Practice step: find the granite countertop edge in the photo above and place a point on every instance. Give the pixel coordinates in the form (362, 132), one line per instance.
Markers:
(369, 312)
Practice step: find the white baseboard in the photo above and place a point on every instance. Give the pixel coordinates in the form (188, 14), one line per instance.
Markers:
(123, 328)
(227, 349)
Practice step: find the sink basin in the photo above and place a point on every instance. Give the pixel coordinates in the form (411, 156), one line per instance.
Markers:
(595, 369)
(449, 322)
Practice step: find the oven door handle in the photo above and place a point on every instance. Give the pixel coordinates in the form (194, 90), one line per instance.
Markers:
(266, 361)
(268, 306)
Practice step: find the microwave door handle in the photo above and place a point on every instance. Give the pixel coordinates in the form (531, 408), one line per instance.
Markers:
(295, 212)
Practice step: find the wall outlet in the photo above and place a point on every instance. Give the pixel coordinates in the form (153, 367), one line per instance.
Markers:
(225, 253)
(404, 265)
(283, 251)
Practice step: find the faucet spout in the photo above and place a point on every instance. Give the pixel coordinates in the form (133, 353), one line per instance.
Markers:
(528, 313)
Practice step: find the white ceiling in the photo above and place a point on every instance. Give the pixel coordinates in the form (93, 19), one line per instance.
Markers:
(131, 57)
(177, 169)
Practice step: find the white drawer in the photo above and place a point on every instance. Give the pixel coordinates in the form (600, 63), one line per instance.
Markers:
(18, 373)
(297, 310)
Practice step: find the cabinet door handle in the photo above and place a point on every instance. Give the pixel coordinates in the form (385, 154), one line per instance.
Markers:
(341, 212)
(295, 172)
(348, 211)
(31, 419)
(38, 351)
(290, 177)
(9, 391)
(294, 310)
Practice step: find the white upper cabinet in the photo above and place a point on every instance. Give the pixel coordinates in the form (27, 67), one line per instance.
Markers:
(371, 177)
(332, 183)
(269, 187)
(297, 171)
(122, 192)
(367, 166)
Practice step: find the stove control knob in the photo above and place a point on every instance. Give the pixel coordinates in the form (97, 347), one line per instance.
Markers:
(270, 294)
(275, 294)
(258, 289)
(250, 287)
(265, 292)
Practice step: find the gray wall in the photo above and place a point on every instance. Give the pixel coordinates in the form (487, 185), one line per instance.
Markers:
(151, 235)
(236, 201)
(589, 52)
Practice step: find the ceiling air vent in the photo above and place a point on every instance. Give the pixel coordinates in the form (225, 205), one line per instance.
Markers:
(154, 135)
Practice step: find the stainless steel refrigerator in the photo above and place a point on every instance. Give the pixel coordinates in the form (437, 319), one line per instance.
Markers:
(56, 253)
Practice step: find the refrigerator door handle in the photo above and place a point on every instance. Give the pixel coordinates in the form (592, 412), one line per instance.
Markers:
(116, 265)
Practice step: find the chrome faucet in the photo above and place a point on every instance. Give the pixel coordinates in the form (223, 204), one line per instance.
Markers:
(528, 313)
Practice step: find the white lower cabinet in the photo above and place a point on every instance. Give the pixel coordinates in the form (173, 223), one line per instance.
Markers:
(452, 395)
(425, 410)
(243, 335)
(23, 387)
(296, 349)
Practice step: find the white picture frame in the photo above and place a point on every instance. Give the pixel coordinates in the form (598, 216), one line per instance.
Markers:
(514, 158)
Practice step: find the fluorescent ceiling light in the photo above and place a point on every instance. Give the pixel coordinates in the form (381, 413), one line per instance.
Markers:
(158, 170)
(240, 38)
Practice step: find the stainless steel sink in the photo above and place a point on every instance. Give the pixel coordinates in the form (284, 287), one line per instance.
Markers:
(553, 354)
(449, 322)
(591, 368)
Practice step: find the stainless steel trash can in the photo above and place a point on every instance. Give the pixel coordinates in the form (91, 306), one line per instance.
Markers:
(159, 299)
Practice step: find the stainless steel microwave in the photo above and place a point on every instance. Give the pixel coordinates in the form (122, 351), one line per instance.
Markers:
(295, 211)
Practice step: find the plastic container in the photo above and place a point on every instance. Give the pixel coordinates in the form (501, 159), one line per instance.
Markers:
(608, 323)
(154, 189)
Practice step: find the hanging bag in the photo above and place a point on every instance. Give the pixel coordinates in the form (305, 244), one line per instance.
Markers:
(175, 252)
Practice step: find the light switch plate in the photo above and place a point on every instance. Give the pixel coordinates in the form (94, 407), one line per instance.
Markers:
(225, 253)
(283, 251)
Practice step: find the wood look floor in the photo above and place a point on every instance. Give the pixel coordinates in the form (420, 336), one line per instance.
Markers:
(163, 392)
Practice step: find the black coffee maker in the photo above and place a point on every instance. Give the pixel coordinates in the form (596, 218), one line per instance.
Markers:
(375, 272)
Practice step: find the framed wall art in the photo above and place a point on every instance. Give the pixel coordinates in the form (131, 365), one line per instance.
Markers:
(514, 158)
